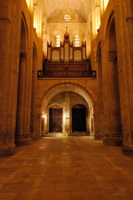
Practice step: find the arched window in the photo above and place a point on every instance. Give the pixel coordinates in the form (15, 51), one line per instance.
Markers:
(57, 40)
(76, 40)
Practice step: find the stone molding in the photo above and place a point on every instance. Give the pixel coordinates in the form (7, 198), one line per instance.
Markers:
(69, 85)
(5, 19)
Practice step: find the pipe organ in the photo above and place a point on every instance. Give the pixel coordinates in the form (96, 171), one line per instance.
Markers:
(66, 60)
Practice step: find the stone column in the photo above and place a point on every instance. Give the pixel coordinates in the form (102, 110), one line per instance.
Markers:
(22, 137)
(127, 22)
(67, 113)
(46, 131)
(37, 121)
(92, 126)
(100, 109)
(9, 48)
(111, 104)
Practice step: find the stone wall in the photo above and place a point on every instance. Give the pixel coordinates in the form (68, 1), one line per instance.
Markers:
(52, 86)
(121, 12)
(11, 16)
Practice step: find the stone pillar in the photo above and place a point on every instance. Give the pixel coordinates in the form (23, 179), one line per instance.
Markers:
(22, 137)
(92, 126)
(100, 111)
(88, 121)
(127, 22)
(8, 76)
(33, 107)
(37, 121)
(111, 104)
(67, 113)
(46, 131)
(46, 124)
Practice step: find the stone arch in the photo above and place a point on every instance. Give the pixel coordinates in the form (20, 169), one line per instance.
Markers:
(112, 96)
(105, 30)
(33, 90)
(54, 104)
(22, 78)
(35, 56)
(106, 26)
(82, 105)
(89, 97)
(100, 86)
(108, 23)
(24, 34)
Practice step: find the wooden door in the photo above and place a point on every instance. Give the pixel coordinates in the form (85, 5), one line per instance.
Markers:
(55, 120)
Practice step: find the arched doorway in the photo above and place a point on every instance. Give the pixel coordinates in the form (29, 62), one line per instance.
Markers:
(55, 119)
(67, 96)
(79, 118)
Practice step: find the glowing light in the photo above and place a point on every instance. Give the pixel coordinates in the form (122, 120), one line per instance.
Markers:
(98, 21)
(28, 2)
(67, 18)
(105, 3)
(43, 116)
(35, 19)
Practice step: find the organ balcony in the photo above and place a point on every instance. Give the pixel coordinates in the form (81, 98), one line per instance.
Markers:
(66, 60)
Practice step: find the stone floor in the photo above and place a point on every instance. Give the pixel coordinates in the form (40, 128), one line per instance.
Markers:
(67, 168)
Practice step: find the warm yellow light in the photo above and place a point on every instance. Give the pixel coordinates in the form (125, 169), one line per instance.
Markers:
(98, 21)
(43, 116)
(105, 3)
(28, 3)
(35, 18)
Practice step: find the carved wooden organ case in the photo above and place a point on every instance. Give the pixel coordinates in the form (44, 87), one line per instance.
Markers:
(66, 61)
(66, 53)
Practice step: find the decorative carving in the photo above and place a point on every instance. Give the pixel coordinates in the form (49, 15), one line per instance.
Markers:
(67, 47)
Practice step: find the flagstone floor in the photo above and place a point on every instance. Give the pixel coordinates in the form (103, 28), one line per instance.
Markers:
(66, 168)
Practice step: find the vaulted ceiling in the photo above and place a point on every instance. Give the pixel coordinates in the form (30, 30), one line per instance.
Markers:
(83, 7)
